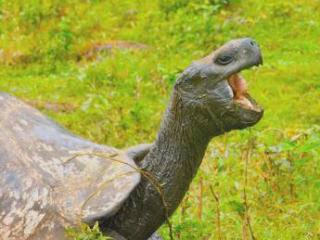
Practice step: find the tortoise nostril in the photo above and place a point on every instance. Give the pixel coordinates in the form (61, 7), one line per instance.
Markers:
(252, 43)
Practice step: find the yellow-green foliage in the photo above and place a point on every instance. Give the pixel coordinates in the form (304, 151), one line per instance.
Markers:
(118, 97)
(86, 233)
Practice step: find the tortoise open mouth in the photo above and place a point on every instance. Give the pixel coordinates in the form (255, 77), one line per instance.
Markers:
(241, 96)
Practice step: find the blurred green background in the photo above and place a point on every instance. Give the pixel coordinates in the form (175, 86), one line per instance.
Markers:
(105, 70)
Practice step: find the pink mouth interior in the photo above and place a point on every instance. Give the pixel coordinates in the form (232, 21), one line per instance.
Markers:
(239, 87)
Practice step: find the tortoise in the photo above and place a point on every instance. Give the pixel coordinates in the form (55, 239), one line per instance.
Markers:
(51, 179)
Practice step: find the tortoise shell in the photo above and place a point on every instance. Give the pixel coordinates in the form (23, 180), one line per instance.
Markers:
(51, 178)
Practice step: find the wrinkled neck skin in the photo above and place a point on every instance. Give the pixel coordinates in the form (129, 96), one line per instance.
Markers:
(173, 161)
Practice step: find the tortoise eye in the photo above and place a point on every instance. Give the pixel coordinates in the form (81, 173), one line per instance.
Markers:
(224, 59)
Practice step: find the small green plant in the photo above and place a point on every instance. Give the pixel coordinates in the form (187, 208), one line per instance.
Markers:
(86, 233)
(63, 39)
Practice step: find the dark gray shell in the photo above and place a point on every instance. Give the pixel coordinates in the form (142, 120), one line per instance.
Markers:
(51, 179)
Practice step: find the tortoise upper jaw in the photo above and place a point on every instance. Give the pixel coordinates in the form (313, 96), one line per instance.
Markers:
(260, 62)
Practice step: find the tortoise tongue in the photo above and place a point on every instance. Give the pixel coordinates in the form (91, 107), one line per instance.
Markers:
(239, 87)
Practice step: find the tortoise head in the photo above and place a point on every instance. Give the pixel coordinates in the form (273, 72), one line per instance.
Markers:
(213, 85)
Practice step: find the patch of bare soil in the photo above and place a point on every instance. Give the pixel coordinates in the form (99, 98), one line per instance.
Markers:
(94, 50)
(51, 106)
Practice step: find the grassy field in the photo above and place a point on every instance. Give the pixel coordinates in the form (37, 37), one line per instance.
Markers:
(260, 183)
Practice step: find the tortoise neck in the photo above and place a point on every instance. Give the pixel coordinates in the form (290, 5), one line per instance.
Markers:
(179, 149)
(180, 144)
(173, 161)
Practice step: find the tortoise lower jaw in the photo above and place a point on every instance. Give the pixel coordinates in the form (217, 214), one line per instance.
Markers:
(242, 117)
(254, 106)
(248, 103)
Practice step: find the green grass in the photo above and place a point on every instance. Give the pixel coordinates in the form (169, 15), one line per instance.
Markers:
(118, 99)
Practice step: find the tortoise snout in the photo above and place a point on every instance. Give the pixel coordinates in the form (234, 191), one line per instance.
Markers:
(250, 42)
(252, 46)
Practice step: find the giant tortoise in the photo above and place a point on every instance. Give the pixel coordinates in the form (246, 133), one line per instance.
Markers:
(51, 179)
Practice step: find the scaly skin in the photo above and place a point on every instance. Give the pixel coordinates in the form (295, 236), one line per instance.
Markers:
(201, 107)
